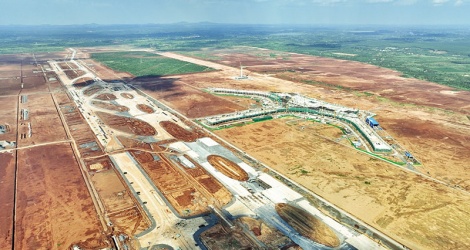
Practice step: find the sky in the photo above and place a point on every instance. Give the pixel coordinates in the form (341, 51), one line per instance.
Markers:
(316, 12)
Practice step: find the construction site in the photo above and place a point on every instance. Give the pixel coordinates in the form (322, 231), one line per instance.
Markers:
(132, 163)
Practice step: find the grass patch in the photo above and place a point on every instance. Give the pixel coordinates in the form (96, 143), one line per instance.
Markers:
(141, 63)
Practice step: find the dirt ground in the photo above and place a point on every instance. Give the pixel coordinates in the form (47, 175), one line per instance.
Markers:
(145, 108)
(349, 74)
(189, 101)
(8, 117)
(272, 238)
(429, 120)
(81, 132)
(7, 183)
(110, 106)
(227, 167)
(220, 238)
(119, 204)
(307, 225)
(71, 70)
(54, 208)
(417, 212)
(180, 133)
(188, 190)
(127, 95)
(45, 122)
(106, 97)
(91, 90)
(127, 125)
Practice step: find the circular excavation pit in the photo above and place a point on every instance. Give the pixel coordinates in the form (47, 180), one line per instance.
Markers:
(308, 225)
(145, 108)
(228, 167)
(178, 132)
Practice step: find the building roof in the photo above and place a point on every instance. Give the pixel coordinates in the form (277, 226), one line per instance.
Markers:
(373, 121)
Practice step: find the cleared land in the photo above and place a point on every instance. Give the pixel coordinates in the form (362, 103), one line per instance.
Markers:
(220, 238)
(189, 191)
(110, 106)
(272, 238)
(118, 202)
(418, 212)
(127, 124)
(127, 95)
(54, 209)
(307, 225)
(106, 97)
(79, 128)
(178, 132)
(189, 101)
(449, 141)
(227, 167)
(43, 122)
(8, 117)
(407, 207)
(7, 184)
(145, 108)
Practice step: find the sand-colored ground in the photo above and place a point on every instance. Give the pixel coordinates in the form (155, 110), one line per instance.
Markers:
(117, 200)
(451, 128)
(419, 213)
(7, 183)
(227, 167)
(307, 225)
(54, 209)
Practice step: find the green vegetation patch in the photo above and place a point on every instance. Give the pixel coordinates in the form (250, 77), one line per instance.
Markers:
(141, 63)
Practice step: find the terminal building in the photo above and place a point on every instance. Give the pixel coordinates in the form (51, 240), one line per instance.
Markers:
(295, 103)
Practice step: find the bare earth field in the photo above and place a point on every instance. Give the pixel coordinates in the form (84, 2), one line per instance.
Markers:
(190, 101)
(403, 205)
(189, 191)
(54, 208)
(429, 120)
(10, 74)
(307, 225)
(445, 131)
(119, 203)
(79, 128)
(7, 183)
(8, 116)
(45, 122)
(127, 125)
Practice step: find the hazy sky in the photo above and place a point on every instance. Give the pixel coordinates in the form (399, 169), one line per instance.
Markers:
(235, 11)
